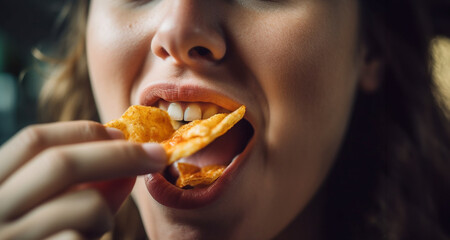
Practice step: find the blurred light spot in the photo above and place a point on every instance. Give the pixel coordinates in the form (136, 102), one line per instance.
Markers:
(441, 69)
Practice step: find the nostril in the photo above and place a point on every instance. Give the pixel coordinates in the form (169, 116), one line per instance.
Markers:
(161, 52)
(201, 52)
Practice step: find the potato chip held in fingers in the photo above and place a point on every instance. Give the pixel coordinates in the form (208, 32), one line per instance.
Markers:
(143, 124)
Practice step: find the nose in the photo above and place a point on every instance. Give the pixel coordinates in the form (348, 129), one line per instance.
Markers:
(190, 34)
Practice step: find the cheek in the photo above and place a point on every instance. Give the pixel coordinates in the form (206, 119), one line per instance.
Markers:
(309, 76)
(308, 73)
(115, 54)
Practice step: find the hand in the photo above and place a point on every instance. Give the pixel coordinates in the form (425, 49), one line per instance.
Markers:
(68, 176)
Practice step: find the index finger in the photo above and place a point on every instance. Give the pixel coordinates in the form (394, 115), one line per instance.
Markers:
(34, 139)
(58, 169)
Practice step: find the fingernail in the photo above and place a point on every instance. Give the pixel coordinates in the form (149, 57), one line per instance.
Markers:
(156, 153)
(115, 133)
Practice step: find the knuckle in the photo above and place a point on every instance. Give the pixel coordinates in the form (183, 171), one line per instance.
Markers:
(58, 162)
(32, 137)
(91, 130)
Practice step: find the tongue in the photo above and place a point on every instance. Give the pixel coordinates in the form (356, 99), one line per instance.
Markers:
(222, 150)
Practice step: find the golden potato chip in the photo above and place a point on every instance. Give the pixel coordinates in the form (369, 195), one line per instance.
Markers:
(150, 124)
(193, 176)
(144, 124)
(195, 135)
(187, 169)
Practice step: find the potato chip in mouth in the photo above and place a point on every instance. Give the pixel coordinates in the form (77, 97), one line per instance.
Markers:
(192, 176)
(143, 124)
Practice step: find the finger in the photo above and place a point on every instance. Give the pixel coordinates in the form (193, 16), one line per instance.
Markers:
(34, 139)
(58, 168)
(83, 211)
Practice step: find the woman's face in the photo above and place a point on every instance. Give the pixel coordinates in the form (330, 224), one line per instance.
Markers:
(293, 63)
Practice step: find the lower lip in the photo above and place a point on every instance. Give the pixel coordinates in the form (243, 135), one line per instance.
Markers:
(169, 195)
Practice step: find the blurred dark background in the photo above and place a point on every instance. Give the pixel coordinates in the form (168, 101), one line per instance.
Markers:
(24, 25)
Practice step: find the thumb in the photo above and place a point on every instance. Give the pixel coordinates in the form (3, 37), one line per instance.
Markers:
(115, 192)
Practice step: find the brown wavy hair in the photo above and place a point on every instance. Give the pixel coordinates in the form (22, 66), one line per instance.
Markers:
(67, 94)
(392, 176)
(391, 180)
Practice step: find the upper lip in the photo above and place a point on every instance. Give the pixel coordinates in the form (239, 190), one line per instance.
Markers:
(185, 93)
(171, 92)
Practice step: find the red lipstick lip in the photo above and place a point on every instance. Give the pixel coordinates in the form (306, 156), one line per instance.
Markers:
(171, 196)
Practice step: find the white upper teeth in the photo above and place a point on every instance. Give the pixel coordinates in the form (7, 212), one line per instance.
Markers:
(192, 112)
(188, 112)
(175, 111)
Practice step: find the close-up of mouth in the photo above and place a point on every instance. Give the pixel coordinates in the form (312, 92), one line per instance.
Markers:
(227, 151)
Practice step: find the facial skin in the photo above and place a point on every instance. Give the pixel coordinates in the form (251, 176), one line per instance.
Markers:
(295, 64)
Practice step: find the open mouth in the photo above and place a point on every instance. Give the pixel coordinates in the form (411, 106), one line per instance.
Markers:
(220, 152)
(187, 101)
